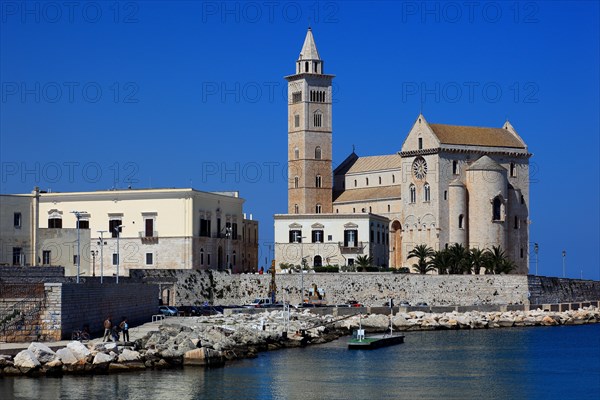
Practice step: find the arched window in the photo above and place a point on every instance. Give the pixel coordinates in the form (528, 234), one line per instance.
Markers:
(306, 66)
(513, 170)
(516, 226)
(497, 209)
(296, 181)
(413, 193)
(296, 153)
(318, 209)
(355, 183)
(296, 121)
(380, 180)
(367, 181)
(201, 256)
(296, 211)
(318, 153)
(234, 258)
(461, 221)
(318, 181)
(393, 178)
(427, 192)
(318, 261)
(455, 169)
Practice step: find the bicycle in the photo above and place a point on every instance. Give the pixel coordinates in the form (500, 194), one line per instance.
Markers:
(81, 336)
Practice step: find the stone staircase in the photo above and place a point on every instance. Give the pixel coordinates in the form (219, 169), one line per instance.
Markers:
(21, 306)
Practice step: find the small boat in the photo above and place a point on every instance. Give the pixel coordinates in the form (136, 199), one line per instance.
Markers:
(361, 342)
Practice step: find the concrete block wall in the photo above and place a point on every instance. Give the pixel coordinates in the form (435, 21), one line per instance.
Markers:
(551, 290)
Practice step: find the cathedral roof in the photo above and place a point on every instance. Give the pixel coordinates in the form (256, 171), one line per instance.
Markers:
(368, 193)
(309, 49)
(354, 164)
(476, 136)
(485, 163)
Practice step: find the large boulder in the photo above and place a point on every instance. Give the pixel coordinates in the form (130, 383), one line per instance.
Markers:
(66, 356)
(79, 350)
(26, 359)
(42, 352)
(129, 355)
(376, 322)
(102, 358)
(195, 357)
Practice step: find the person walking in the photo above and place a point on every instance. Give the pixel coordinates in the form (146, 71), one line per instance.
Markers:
(107, 329)
(125, 328)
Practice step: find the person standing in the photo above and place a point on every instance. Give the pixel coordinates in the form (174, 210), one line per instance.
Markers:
(125, 328)
(107, 329)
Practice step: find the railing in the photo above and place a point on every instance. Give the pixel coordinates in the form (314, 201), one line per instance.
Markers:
(144, 235)
(358, 248)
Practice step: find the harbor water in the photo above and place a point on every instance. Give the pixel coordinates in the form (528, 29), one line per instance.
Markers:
(513, 363)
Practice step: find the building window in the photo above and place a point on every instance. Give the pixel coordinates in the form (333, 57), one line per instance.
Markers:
(330, 237)
(82, 224)
(296, 153)
(234, 231)
(318, 119)
(497, 209)
(455, 169)
(318, 181)
(55, 223)
(350, 238)
(445, 195)
(355, 183)
(115, 259)
(296, 97)
(522, 252)
(367, 181)
(295, 236)
(513, 170)
(204, 227)
(461, 221)
(296, 121)
(234, 258)
(318, 209)
(208, 259)
(427, 193)
(393, 178)
(296, 181)
(17, 220)
(420, 143)
(389, 208)
(380, 180)
(114, 225)
(46, 256)
(522, 199)
(149, 260)
(296, 210)
(370, 209)
(317, 236)
(318, 153)
(353, 209)
(201, 256)
(318, 261)
(516, 225)
(18, 258)
(371, 235)
(413, 194)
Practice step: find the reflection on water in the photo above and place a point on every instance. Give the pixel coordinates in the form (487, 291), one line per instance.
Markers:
(557, 362)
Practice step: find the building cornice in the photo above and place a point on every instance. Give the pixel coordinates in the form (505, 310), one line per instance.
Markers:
(463, 150)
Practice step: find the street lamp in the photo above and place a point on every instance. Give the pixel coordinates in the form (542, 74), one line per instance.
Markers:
(536, 248)
(94, 254)
(101, 243)
(299, 241)
(118, 231)
(564, 254)
(228, 236)
(78, 216)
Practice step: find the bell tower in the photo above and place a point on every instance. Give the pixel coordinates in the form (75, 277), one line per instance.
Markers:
(309, 134)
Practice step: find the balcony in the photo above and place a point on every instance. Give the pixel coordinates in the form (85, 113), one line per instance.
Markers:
(147, 239)
(357, 248)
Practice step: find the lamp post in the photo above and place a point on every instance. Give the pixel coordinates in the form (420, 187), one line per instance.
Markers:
(299, 241)
(78, 216)
(101, 243)
(564, 254)
(118, 231)
(536, 248)
(228, 236)
(94, 254)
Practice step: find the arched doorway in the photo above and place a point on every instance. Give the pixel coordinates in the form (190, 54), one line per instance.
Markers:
(396, 245)
(318, 261)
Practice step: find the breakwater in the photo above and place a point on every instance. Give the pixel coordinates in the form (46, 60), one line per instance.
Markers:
(211, 341)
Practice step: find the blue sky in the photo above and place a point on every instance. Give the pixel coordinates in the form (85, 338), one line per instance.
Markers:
(168, 94)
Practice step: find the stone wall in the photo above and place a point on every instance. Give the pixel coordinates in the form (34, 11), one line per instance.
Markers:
(374, 289)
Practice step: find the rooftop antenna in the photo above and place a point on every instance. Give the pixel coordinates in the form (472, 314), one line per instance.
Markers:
(353, 148)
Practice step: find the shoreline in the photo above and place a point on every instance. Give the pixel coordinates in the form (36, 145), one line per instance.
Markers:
(213, 341)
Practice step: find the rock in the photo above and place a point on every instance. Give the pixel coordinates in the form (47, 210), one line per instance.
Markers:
(66, 356)
(79, 350)
(110, 346)
(42, 352)
(376, 321)
(416, 314)
(102, 358)
(549, 321)
(161, 364)
(195, 357)
(26, 359)
(505, 322)
(129, 355)
(56, 363)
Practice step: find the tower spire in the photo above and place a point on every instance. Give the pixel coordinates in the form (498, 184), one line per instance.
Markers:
(309, 48)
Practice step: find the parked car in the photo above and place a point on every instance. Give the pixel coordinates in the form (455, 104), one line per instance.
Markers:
(421, 304)
(354, 303)
(190, 311)
(261, 302)
(404, 303)
(168, 311)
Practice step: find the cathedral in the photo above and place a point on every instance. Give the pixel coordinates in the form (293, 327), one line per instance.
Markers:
(447, 184)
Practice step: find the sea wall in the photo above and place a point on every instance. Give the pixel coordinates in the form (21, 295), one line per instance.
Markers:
(373, 289)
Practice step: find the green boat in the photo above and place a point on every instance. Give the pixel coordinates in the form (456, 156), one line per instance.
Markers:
(360, 341)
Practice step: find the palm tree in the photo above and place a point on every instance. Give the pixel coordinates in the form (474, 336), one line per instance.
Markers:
(497, 262)
(441, 261)
(423, 254)
(458, 259)
(477, 259)
(364, 261)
